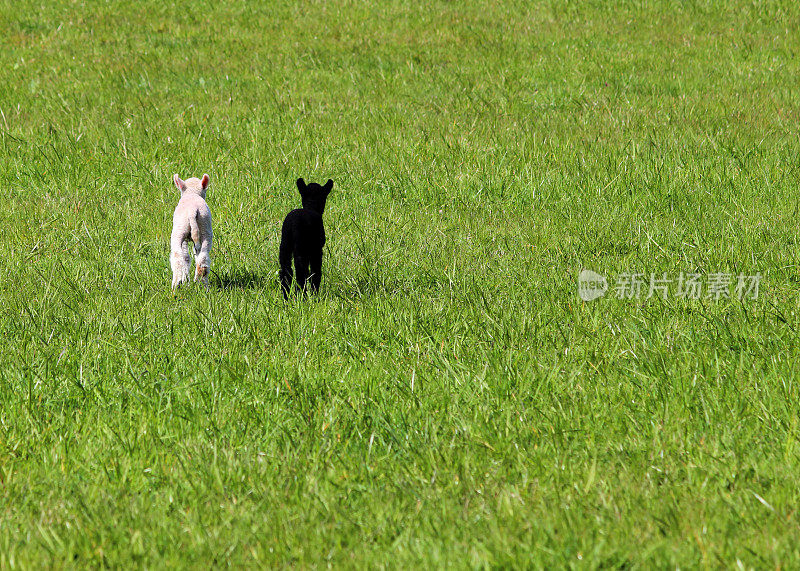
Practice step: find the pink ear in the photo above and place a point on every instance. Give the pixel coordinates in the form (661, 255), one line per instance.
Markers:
(178, 182)
(204, 182)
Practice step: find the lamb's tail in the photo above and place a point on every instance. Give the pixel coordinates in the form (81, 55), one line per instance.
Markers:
(194, 229)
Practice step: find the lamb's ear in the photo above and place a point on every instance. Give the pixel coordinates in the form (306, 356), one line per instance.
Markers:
(301, 185)
(204, 181)
(328, 186)
(178, 182)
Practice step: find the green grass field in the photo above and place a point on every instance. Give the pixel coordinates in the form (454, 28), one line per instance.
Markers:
(448, 399)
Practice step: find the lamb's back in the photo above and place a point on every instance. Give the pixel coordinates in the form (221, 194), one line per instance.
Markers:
(191, 206)
(305, 229)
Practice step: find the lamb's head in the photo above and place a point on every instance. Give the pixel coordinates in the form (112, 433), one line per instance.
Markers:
(193, 185)
(314, 195)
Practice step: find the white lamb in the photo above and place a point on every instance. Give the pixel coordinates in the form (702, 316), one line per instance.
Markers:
(191, 221)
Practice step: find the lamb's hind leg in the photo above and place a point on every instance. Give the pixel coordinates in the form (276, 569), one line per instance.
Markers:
(286, 278)
(201, 274)
(285, 262)
(316, 272)
(179, 260)
(202, 261)
(301, 272)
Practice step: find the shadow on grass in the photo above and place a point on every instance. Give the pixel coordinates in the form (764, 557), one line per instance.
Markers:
(242, 279)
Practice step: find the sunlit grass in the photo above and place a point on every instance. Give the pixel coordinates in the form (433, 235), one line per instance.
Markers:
(447, 399)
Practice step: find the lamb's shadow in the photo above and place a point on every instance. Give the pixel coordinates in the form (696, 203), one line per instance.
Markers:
(242, 279)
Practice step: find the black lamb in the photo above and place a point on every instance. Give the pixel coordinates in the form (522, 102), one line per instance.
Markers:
(302, 238)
